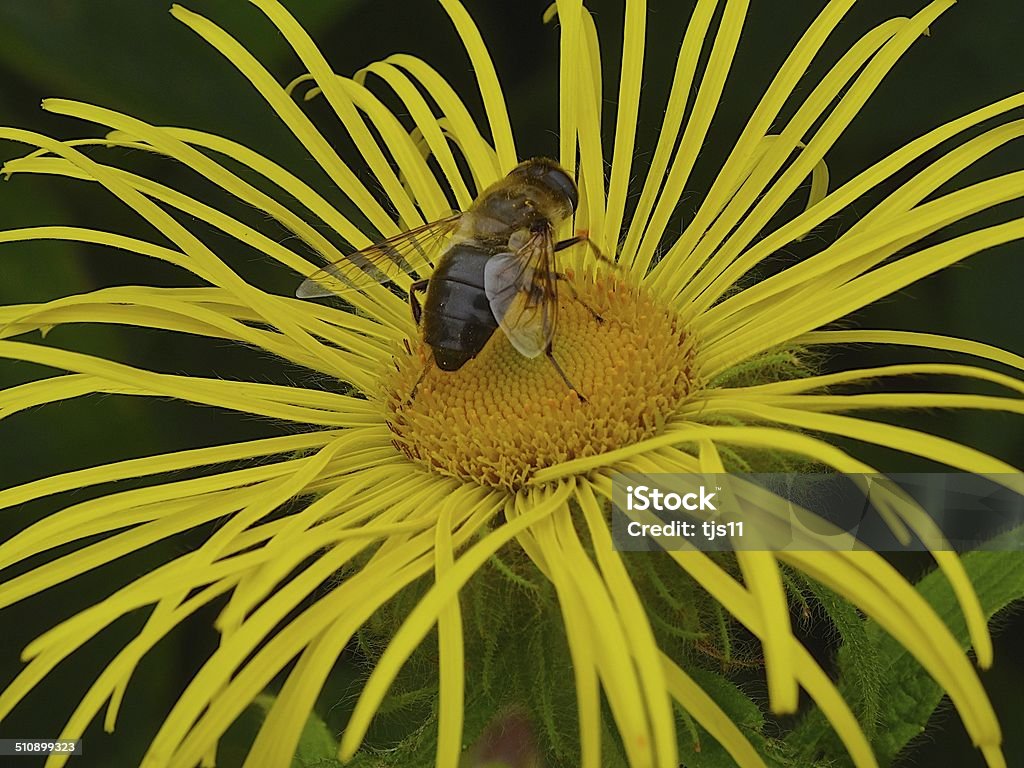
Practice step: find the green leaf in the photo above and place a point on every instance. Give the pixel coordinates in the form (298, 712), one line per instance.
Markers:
(704, 751)
(862, 687)
(910, 695)
(708, 753)
(998, 578)
(317, 747)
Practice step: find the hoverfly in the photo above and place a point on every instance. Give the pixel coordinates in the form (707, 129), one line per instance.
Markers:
(496, 270)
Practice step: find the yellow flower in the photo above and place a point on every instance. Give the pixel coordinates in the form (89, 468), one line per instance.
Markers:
(501, 453)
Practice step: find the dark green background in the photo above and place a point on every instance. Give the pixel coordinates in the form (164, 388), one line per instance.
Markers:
(132, 56)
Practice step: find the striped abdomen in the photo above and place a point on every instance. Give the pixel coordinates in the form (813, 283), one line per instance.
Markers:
(457, 318)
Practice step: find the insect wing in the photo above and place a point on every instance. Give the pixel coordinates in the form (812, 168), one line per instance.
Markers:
(522, 290)
(406, 254)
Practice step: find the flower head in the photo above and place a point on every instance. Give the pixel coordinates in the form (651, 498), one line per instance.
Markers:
(505, 416)
(499, 467)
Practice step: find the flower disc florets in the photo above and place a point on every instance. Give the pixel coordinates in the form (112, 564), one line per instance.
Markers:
(503, 416)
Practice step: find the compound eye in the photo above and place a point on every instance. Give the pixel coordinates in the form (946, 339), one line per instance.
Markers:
(562, 183)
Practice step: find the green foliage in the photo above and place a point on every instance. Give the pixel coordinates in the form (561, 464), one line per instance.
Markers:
(774, 365)
(317, 746)
(517, 661)
(892, 695)
(696, 748)
(781, 364)
(863, 683)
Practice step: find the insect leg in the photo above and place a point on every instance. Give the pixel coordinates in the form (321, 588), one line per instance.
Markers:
(576, 297)
(418, 287)
(583, 237)
(551, 356)
(423, 374)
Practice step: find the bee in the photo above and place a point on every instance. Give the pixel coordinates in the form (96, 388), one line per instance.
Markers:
(495, 269)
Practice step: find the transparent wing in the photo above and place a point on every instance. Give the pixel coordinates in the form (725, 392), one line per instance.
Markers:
(522, 290)
(409, 253)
